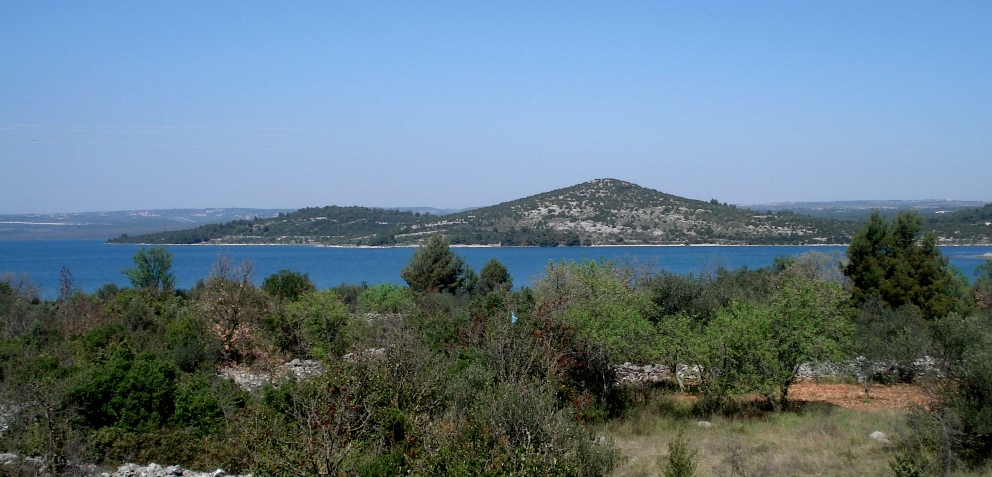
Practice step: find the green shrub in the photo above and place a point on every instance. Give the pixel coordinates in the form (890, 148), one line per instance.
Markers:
(112, 446)
(132, 392)
(319, 318)
(198, 407)
(314, 427)
(381, 465)
(681, 456)
(386, 298)
(98, 339)
(514, 429)
(287, 285)
(600, 300)
(923, 448)
(349, 293)
(965, 346)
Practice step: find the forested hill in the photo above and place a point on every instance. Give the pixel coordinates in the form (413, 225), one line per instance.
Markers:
(598, 212)
(610, 211)
(964, 227)
(330, 225)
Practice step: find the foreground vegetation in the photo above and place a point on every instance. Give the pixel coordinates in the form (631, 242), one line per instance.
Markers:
(460, 374)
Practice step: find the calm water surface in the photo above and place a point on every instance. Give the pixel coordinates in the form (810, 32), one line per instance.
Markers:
(94, 263)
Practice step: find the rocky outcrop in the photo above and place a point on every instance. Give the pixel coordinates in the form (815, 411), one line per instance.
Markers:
(35, 465)
(653, 373)
(155, 470)
(254, 380)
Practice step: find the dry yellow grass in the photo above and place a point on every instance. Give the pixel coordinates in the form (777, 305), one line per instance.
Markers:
(817, 439)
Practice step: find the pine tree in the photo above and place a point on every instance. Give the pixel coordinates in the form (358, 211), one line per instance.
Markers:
(494, 276)
(435, 268)
(903, 266)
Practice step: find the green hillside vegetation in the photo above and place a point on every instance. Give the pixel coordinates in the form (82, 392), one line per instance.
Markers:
(599, 212)
(964, 227)
(461, 374)
(860, 210)
(331, 225)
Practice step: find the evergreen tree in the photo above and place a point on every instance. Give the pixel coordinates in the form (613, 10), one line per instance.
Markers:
(435, 268)
(901, 265)
(494, 276)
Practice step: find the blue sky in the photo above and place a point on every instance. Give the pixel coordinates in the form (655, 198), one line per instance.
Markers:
(126, 105)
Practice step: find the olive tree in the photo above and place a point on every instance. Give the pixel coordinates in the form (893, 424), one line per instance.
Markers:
(811, 324)
(761, 348)
(676, 343)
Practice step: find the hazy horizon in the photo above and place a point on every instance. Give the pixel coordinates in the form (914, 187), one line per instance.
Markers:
(455, 210)
(129, 106)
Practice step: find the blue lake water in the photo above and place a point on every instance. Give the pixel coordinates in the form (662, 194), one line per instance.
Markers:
(94, 263)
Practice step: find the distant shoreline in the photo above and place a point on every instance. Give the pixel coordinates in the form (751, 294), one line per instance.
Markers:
(987, 255)
(477, 246)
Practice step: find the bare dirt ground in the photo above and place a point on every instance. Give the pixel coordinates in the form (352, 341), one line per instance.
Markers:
(899, 397)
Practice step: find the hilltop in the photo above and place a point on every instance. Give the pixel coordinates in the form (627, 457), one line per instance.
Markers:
(611, 211)
(598, 212)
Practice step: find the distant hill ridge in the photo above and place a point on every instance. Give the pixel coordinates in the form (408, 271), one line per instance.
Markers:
(100, 225)
(859, 210)
(598, 212)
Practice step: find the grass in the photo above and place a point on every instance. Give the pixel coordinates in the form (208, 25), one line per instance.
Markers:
(814, 439)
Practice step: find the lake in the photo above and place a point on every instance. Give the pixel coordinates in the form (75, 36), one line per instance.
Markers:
(94, 263)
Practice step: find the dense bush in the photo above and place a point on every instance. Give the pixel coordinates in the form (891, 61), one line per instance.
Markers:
(129, 391)
(964, 346)
(516, 428)
(601, 300)
(287, 285)
(386, 298)
(454, 381)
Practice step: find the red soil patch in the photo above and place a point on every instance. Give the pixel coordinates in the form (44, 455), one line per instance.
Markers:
(852, 396)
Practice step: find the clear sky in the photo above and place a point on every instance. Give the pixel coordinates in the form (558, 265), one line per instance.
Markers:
(170, 104)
